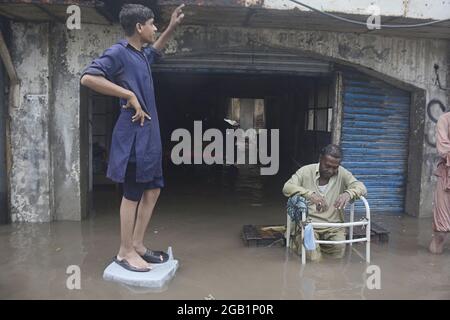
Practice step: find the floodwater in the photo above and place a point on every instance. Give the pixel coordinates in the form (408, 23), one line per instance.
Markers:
(201, 216)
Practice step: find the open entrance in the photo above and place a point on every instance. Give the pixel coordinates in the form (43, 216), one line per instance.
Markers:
(300, 107)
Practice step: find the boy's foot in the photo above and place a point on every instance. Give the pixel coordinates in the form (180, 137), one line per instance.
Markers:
(134, 260)
(152, 256)
(126, 265)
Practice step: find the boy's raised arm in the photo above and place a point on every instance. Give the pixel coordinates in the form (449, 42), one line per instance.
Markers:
(175, 20)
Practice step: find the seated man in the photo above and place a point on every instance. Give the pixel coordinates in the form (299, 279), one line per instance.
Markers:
(328, 187)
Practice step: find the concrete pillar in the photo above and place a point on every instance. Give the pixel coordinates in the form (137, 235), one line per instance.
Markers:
(31, 198)
(65, 128)
(69, 132)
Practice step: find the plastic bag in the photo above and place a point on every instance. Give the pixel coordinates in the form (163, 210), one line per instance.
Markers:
(309, 241)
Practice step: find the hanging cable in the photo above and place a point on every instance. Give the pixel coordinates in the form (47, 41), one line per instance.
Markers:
(365, 23)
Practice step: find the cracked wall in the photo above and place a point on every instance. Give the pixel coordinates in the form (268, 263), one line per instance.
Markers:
(405, 62)
(31, 172)
(73, 50)
(47, 164)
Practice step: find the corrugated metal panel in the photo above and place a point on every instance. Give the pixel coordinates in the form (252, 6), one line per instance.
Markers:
(244, 62)
(374, 139)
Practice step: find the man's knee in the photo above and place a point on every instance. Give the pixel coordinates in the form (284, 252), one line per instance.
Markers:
(314, 255)
(334, 251)
(338, 251)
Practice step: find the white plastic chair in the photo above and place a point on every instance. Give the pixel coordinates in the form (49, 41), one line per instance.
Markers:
(350, 225)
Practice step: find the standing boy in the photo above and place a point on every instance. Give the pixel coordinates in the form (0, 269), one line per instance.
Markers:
(123, 71)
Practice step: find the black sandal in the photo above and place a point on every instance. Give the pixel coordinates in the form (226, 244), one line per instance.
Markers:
(155, 256)
(126, 265)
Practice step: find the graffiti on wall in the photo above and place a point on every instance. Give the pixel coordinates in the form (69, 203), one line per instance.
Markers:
(435, 108)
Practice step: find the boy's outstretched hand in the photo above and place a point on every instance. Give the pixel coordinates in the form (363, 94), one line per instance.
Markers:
(177, 16)
(175, 20)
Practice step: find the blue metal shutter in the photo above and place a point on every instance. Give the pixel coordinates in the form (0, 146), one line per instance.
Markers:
(374, 139)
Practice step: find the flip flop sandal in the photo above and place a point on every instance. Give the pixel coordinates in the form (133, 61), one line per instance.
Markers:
(155, 256)
(126, 265)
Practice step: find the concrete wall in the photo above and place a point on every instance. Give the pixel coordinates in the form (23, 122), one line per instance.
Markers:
(420, 9)
(31, 168)
(45, 131)
(54, 115)
(73, 50)
(404, 62)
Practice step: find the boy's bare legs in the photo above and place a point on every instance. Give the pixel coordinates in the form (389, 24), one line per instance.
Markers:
(145, 212)
(127, 219)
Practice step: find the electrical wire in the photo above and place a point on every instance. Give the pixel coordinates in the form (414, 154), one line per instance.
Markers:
(365, 23)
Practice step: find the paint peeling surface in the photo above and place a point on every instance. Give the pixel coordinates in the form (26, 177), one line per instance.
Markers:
(30, 176)
(417, 9)
(30, 172)
(414, 9)
(74, 50)
(214, 3)
(408, 60)
(46, 173)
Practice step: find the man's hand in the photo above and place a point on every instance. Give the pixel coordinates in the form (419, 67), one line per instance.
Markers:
(177, 16)
(140, 115)
(342, 201)
(319, 201)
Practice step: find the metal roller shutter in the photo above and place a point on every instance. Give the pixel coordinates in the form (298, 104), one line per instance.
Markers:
(374, 139)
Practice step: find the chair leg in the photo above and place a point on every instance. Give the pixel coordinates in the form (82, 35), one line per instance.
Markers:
(303, 247)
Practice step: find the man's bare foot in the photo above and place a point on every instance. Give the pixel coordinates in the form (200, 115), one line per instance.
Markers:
(437, 243)
(133, 258)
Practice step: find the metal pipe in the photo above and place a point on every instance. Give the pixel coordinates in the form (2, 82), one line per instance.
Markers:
(368, 230)
(341, 241)
(341, 225)
(352, 218)
(303, 237)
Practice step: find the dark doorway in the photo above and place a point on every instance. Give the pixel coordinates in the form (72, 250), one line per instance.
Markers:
(298, 106)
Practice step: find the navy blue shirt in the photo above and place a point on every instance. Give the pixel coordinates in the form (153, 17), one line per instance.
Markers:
(129, 68)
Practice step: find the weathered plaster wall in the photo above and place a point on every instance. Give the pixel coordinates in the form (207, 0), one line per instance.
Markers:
(31, 174)
(397, 60)
(417, 9)
(73, 50)
(408, 61)
(436, 100)
(420, 9)
(404, 59)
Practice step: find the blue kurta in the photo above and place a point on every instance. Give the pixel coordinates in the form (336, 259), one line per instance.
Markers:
(129, 68)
